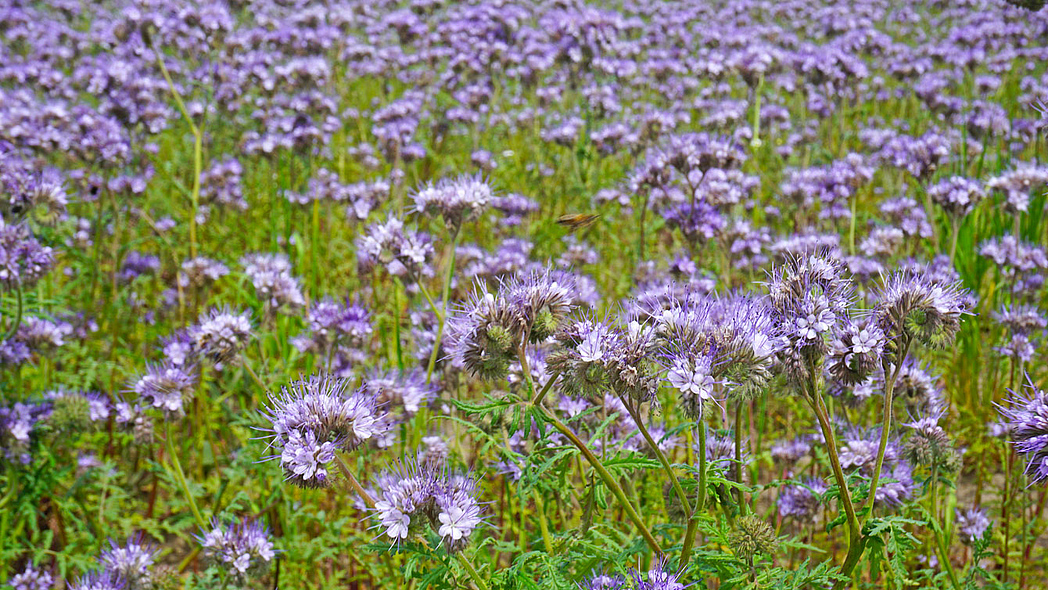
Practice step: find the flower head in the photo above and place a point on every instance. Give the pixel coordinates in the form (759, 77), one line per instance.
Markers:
(912, 306)
(130, 562)
(971, 524)
(221, 334)
(1026, 415)
(244, 548)
(313, 418)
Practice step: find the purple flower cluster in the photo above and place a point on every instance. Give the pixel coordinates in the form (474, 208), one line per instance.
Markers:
(656, 578)
(313, 419)
(404, 253)
(274, 285)
(1026, 416)
(456, 200)
(243, 549)
(420, 496)
(485, 335)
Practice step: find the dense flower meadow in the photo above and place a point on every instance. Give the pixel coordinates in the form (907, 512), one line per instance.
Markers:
(633, 295)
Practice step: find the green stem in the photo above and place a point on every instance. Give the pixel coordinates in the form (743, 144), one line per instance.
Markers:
(886, 422)
(540, 511)
(180, 476)
(545, 389)
(608, 479)
(443, 305)
(481, 584)
(933, 502)
(660, 456)
(738, 459)
(854, 541)
(18, 315)
(198, 143)
(354, 483)
(700, 501)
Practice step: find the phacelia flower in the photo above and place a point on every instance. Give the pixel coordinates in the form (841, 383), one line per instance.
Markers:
(166, 386)
(1026, 414)
(911, 306)
(457, 200)
(32, 578)
(417, 496)
(132, 563)
(971, 524)
(221, 334)
(313, 418)
(245, 548)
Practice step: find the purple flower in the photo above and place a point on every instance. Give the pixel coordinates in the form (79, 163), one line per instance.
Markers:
(23, 260)
(802, 501)
(334, 323)
(245, 548)
(407, 392)
(99, 581)
(136, 264)
(603, 582)
(912, 306)
(312, 419)
(271, 276)
(957, 195)
(416, 496)
(221, 334)
(1026, 415)
(32, 578)
(404, 253)
(130, 563)
(201, 271)
(1017, 185)
(457, 200)
(658, 578)
(855, 352)
(971, 524)
(166, 386)
(788, 452)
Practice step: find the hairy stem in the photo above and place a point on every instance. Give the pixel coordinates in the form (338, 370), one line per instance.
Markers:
(353, 483)
(608, 479)
(660, 456)
(481, 584)
(886, 422)
(855, 542)
(738, 459)
(545, 389)
(180, 476)
(18, 315)
(442, 316)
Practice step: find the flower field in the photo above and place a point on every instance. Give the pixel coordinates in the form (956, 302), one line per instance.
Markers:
(425, 294)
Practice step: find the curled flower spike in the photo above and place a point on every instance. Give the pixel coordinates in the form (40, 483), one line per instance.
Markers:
(1026, 416)
(910, 306)
(313, 418)
(483, 335)
(222, 334)
(541, 300)
(855, 353)
(971, 524)
(131, 563)
(810, 298)
(456, 200)
(244, 548)
(417, 496)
